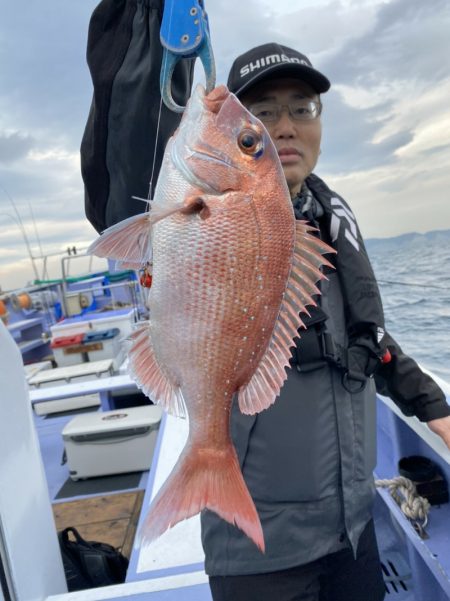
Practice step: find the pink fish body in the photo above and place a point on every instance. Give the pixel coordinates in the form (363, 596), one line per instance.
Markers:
(232, 269)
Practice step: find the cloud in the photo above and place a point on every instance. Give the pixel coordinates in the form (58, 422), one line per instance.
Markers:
(48, 179)
(319, 29)
(14, 146)
(45, 79)
(349, 137)
(412, 125)
(407, 41)
(390, 201)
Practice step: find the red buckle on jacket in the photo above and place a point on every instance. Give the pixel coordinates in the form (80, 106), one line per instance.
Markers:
(387, 357)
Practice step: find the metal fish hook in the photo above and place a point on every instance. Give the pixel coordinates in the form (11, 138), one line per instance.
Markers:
(184, 34)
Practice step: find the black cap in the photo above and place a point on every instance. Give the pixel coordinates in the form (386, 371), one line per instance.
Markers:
(273, 60)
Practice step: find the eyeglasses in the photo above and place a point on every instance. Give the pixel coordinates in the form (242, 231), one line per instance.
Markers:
(300, 110)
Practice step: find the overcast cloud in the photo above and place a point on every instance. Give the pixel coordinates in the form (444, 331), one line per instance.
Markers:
(386, 120)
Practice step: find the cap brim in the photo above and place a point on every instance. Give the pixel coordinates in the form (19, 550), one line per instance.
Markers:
(307, 74)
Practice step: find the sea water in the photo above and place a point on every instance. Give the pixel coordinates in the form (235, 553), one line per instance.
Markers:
(413, 273)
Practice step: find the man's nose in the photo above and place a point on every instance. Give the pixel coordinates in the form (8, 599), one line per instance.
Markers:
(285, 125)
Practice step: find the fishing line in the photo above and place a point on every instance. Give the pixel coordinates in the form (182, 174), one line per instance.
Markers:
(412, 284)
(150, 187)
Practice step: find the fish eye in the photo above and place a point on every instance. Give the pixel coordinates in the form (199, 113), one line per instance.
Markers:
(250, 142)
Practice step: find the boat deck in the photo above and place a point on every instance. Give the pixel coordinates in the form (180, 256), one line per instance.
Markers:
(108, 519)
(104, 509)
(109, 509)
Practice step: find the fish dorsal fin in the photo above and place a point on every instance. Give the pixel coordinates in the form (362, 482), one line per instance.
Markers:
(148, 375)
(265, 384)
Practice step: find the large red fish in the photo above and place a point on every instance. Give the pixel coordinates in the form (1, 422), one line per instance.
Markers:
(232, 269)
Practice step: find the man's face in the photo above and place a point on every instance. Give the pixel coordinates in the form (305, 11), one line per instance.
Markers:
(297, 142)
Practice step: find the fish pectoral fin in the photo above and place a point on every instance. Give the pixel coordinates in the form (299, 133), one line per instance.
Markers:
(192, 205)
(148, 375)
(128, 241)
(158, 212)
(265, 384)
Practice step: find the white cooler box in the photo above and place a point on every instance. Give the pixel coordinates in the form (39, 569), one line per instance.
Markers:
(111, 442)
(121, 318)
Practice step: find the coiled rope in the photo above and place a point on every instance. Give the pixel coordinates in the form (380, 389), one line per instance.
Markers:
(404, 493)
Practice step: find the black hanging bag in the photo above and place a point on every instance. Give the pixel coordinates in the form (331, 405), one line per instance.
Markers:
(89, 564)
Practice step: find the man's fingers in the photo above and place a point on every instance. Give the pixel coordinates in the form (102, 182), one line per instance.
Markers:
(441, 427)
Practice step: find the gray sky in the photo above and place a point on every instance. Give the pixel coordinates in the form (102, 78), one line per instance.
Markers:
(386, 120)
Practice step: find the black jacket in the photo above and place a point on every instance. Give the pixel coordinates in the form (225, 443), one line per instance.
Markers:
(127, 128)
(410, 388)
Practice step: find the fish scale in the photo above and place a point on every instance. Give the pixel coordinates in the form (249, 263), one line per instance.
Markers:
(232, 271)
(211, 307)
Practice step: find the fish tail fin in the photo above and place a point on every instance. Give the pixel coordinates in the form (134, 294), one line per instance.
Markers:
(203, 480)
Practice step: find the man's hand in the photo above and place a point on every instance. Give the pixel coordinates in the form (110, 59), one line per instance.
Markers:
(441, 427)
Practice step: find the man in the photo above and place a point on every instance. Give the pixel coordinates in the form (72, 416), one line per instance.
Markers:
(308, 460)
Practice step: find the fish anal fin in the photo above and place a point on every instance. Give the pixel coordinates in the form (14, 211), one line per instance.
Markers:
(149, 376)
(265, 384)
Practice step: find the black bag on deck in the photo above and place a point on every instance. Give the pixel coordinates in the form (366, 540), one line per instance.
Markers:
(89, 564)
